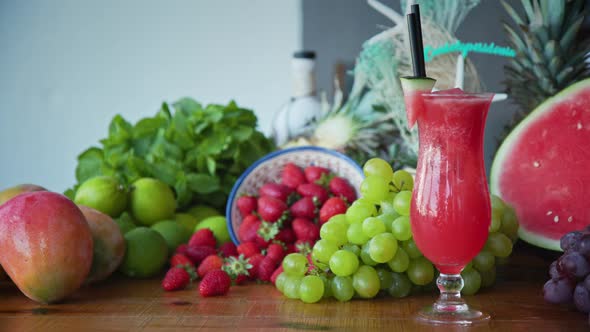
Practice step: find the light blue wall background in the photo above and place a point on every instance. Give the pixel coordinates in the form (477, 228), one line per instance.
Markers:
(68, 66)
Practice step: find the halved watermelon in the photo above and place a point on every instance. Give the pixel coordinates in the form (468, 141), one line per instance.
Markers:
(542, 168)
(413, 87)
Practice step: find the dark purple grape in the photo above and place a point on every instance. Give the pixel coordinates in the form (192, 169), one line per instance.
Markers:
(570, 240)
(553, 272)
(574, 265)
(583, 246)
(558, 291)
(587, 282)
(582, 298)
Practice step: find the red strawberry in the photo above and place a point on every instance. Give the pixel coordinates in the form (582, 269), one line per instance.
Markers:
(237, 268)
(199, 253)
(286, 235)
(248, 249)
(275, 190)
(304, 208)
(211, 263)
(270, 208)
(276, 273)
(248, 228)
(246, 205)
(181, 249)
(266, 232)
(275, 251)
(290, 248)
(266, 267)
(313, 190)
(303, 246)
(176, 278)
(215, 283)
(292, 176)
(241, 279)
(181, 260)
(305, 230)
(228, 249)
(314, 173)
(255, 262)
(332, 207)
(341, 187)
(203, 237)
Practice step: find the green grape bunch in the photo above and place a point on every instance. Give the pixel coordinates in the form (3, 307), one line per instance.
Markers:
(370, 250)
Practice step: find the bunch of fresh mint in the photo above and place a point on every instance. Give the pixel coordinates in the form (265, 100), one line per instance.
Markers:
(199, 151)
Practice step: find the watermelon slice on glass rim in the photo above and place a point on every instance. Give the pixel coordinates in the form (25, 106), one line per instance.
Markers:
(542, 168)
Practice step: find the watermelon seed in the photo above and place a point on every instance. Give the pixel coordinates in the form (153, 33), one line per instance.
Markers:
(579, 126)
(549, 213)
(536, 164)
(570, 219)
(556, 219)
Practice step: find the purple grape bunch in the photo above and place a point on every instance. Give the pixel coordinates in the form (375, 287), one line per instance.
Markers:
(570, 273)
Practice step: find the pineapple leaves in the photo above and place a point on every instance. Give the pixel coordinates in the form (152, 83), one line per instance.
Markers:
(569, 35)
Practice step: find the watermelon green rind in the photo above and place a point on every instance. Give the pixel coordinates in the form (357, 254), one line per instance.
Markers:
(506, 150)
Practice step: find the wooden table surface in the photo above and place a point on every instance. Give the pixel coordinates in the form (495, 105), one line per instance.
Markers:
(120, 304)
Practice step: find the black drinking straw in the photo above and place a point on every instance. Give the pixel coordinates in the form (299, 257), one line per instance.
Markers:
(415, 30)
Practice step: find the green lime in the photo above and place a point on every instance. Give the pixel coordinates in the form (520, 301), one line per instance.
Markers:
(151, 201)
(125, 222)
(187, 221)
(202, 212)
(174, 233)
(146, 253)
(218, 225)
(103, 193)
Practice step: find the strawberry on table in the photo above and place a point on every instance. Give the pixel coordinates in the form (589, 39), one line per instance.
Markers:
(175, 279)
(292, 176)
(305, 230)
(215, 283)
(198, 253)
(181, 260)
(248, 249)
(276, 273)
(313, 190)
(246, 205)
(271, 209)
(248, 229)
(265, 269)
(340, 187)
(275, 251)
(332, 207)
(255, 262)
(237, 269)
(275, 190)
(314, 173)
(211, 263)
(203, 237)
(304, 208)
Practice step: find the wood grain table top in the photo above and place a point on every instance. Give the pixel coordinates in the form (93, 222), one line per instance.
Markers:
(122, 304)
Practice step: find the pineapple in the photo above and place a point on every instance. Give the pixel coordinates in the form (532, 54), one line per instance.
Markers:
(548, 58)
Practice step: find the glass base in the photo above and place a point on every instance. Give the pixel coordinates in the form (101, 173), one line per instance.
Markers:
(463, 316)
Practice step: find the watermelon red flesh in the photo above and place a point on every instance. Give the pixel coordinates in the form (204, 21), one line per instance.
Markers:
(542, 168)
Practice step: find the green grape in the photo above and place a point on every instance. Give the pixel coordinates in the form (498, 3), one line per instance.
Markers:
(342, 288)
(353, 248)
(472, 282)
(291, 287)
(401, 202)
(498, 205)
(401, 286)
(499, 245)
(311, 289)
(495, 223)
(280, 281)
(420, 271)
(344, 263)
(403, 180)
(334, 232)
(365, 282)
(400, 261)
(374, 188)
(355, 234)
(339, 218)
(385, 278)
(509, 223)
(295, 264)
(484, 261)
(378, 166)
(501, 261)
(365, 256)
(323, 250)
(468, 266)
(382, 247)
(488, 277)
(373, 226)
(411, 249)
(401, 229)
(327, 286)
(386, 206)
(387, 219)
(360, 210)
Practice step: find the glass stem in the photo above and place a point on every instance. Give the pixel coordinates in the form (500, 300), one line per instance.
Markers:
(450, 300)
